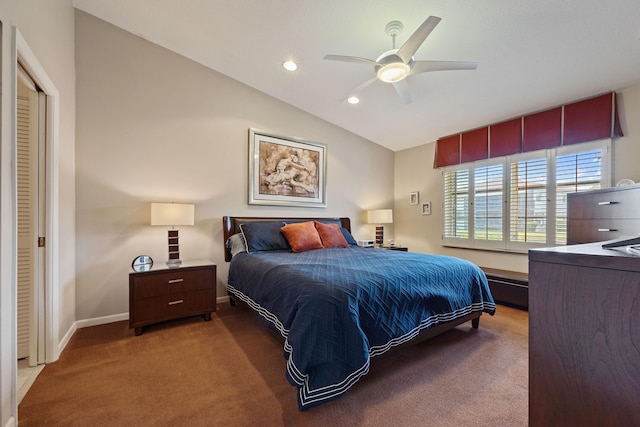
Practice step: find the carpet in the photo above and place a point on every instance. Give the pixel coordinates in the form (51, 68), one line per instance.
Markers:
(231, 372)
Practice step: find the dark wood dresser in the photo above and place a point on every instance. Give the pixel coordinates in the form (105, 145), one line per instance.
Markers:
(584, 337)
(164, 293)
(605, 214)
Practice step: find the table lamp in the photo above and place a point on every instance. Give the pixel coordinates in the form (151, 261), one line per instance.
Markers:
(379, 217)
(172, 214)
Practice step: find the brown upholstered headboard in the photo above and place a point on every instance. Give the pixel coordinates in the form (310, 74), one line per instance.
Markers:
(231, 226)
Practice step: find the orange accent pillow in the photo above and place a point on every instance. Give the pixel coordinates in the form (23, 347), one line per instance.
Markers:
(331, 235)
(302, 236)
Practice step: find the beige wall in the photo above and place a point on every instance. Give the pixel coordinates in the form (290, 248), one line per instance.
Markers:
(156, 127)
(414, 172)
(47, 27)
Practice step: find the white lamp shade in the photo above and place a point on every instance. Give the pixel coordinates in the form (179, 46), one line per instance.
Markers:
(380, 216)
(172, 214)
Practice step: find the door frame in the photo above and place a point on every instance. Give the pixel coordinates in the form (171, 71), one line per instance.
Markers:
(22, 52)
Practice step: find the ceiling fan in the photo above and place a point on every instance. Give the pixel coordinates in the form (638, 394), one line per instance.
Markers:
(394, 65)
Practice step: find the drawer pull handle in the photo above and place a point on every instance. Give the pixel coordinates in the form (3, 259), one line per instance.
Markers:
(607, 229)
(176, 281)
(180, 301)
(607, 203)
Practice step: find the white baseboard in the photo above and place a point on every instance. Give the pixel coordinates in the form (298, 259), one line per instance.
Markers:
(11, 422)
(65, 340)
(103, 320)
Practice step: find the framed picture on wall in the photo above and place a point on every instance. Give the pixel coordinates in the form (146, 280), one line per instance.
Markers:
(286, 171)
(414, 198)
(426, 208)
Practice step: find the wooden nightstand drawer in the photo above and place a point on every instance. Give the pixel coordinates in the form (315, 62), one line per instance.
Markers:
(168, 293)
(175, 281)
(174, 305)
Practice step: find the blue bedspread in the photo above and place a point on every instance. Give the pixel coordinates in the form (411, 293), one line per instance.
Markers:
(336, 308)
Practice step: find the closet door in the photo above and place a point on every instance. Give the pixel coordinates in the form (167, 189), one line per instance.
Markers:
(27, 193)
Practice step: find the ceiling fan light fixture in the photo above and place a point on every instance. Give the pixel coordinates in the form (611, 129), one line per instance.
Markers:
(393, 72)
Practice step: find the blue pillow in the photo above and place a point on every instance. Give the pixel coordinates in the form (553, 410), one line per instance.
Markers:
(264, 236)
(348, 237)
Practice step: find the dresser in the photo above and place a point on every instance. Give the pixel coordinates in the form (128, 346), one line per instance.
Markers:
(605, 214)
(164, 293)
(584, 337)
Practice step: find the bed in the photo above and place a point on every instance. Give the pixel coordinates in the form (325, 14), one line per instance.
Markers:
(337, 306)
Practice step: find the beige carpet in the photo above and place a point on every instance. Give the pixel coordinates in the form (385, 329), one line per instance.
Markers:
(230, 372)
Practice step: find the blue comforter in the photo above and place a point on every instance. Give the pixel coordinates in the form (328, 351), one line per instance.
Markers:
(336, 308)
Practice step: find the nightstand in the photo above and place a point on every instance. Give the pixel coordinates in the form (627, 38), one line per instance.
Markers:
(165, 293)
(394, 248)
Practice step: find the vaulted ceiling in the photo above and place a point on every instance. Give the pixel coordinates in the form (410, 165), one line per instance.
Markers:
(532, 55)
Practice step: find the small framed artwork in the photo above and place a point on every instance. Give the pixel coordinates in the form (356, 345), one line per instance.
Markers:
(426, 208)
(414, 198)
(286, 171)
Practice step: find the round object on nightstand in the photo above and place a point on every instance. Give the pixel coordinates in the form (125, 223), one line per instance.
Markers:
(142, 263)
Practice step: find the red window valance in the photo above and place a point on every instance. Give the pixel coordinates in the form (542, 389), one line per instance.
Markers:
(475, 145)
(447, 151)
(542, 130)
(506, 138)
(588, 120)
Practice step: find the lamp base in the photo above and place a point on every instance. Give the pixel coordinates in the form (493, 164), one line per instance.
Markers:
(379, 235)
(174, 263)
(174, 249)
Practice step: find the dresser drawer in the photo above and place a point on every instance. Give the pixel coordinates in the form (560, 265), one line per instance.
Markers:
(172, 306)
(151, 285)
(598, 230)
(620, 204)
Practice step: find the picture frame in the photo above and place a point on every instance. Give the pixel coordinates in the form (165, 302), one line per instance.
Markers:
(414, 198)
(426, 208)
(286, 171)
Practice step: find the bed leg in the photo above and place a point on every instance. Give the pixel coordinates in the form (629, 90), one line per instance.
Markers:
(475, 322)
(232, 301)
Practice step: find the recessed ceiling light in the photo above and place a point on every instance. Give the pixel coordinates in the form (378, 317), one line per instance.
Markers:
(290, 65)
(353, 100)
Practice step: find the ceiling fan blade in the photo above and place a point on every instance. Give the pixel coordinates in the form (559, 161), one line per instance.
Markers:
(359, 88)
(402, 88)
(424, 66)
(355, 59)
(410, 47)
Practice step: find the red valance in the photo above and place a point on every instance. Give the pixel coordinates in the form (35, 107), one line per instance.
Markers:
(542, 130)
(475, 145)
(588, 120)
(447, 151)
(506, 138)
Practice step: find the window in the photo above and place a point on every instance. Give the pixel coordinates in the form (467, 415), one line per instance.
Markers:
(518, 202)
(487, 202)
(456, 205)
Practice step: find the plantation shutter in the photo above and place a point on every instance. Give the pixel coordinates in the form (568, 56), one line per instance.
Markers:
(574, 172)
(528, 201)
(487, 204)
(456, 204)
